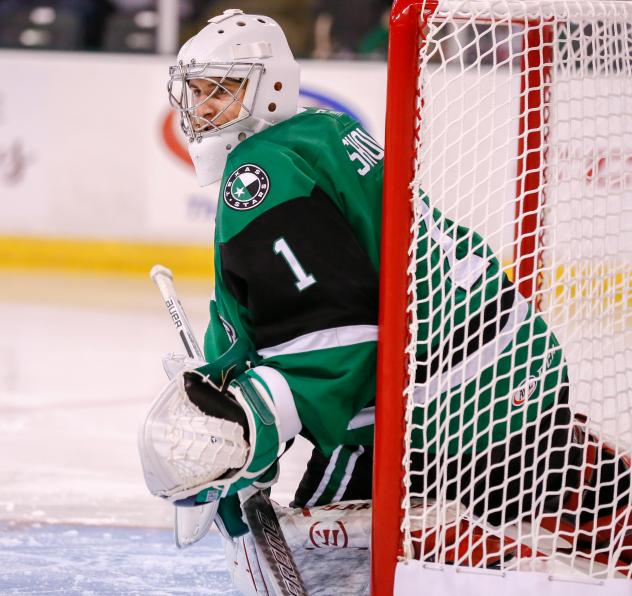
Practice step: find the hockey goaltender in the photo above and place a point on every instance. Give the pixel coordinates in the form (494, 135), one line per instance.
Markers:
(291, 344)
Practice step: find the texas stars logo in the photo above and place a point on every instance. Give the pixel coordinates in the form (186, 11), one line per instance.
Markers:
(246, 187)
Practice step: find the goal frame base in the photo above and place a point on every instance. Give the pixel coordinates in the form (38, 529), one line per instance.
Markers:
(439, 580)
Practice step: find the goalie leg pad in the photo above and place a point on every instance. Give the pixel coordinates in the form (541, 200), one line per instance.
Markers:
(244, 566)
(329, 544)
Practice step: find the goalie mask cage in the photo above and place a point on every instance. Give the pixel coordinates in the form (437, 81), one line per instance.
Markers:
(514, 120)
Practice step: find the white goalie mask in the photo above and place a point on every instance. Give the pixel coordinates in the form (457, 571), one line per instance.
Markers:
(233, 79)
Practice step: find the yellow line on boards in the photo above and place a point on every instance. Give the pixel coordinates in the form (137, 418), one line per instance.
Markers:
(103, 256)
(592, 280)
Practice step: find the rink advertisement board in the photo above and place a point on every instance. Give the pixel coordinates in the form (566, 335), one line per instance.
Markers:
(94, 169)
(91, 155)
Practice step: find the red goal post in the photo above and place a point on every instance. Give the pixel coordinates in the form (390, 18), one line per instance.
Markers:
(404, 125)
(401, 131)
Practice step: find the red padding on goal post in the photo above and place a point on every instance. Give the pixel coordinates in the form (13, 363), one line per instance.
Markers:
(401, 136)
(531, 174)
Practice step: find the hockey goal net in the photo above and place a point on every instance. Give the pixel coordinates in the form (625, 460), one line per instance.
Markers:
(512, 119)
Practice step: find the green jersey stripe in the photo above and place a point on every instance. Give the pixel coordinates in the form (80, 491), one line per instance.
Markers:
(464, 272)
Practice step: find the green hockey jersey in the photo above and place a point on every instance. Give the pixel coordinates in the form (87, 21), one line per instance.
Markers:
(297, 242)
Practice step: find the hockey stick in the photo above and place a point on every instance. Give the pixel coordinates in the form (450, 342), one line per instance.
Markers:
(163, 278)
(190, 524)
(268, 534)
(260, 515)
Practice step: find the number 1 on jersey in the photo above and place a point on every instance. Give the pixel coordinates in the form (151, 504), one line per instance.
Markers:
(303, 280)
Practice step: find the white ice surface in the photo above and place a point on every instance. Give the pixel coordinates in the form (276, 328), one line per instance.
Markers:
(79, 363)
(70, 559)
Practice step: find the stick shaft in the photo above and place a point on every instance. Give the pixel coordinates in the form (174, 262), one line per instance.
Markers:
(163, 278)
(271, 544)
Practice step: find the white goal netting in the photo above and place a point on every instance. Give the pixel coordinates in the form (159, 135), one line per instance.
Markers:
(523, 173)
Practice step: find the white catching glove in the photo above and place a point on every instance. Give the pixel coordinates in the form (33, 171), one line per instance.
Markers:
(183, 446)
(203, 441)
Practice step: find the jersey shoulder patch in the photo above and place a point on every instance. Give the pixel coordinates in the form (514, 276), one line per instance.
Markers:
(246, 187)
(261, 173)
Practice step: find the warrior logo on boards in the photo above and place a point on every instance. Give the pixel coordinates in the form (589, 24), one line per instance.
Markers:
(246, 187)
